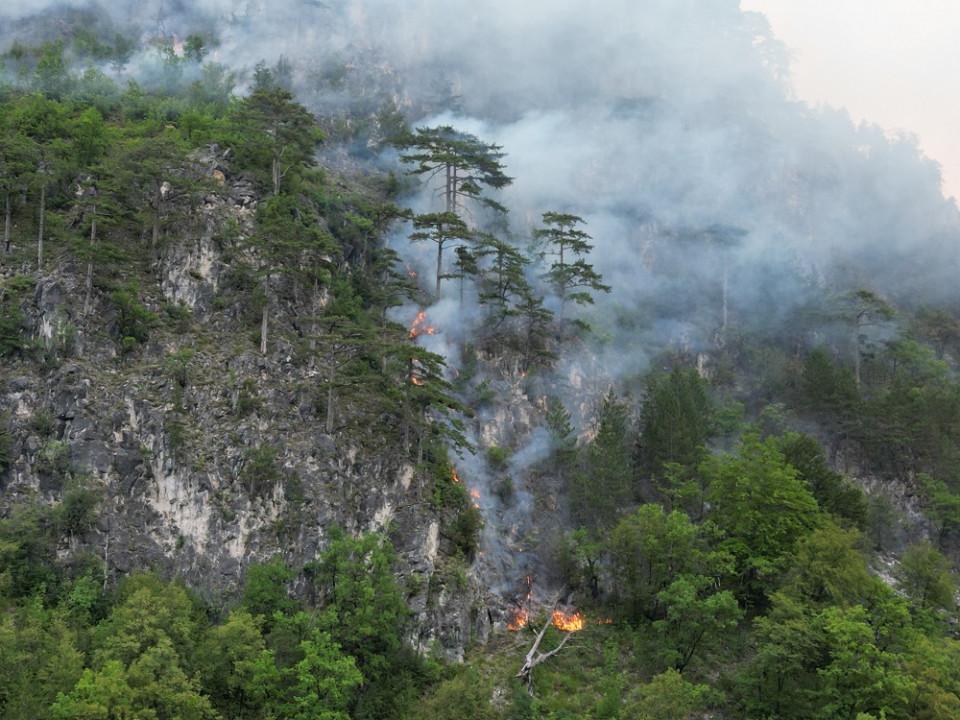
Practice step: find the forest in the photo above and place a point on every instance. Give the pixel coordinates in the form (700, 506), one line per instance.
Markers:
(759, 522)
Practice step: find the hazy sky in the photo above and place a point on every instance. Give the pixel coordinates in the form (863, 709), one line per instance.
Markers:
(893, 62)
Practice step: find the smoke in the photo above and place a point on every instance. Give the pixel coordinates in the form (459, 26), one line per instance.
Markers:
(655, 120)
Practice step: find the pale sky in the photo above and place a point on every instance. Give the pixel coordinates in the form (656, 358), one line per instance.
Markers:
(892, 62)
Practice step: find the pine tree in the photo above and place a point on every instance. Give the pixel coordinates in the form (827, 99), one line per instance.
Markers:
(501, 276)
(570, 275)
(602, 487)
(277, 132)
(442, 229)
(467, 165)
(16, 163)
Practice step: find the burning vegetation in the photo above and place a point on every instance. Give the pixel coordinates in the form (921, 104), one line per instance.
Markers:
(420, 326)
(521, 618)
(568, 622)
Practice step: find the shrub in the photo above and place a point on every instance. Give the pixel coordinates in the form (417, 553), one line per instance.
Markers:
(134, 320)
(261, 472)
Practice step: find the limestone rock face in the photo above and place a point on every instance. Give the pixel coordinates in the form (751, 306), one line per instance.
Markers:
(169, 455)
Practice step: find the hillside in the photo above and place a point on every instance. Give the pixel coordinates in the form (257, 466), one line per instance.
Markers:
(339, 384)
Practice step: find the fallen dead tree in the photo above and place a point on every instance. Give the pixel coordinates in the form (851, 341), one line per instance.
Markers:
(535, 657)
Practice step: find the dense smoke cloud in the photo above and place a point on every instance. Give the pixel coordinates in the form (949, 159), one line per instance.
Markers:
(656, 120)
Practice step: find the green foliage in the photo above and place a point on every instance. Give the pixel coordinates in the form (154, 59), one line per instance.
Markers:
(833, 492)
(6, 446)
(360, 604)
(829, 568)
(676, 421)
(669, 696)
(758, 500)
(276, 135)
(924, 576)
(325, 680)
(648, 550)
(177, 366)
(470, 164)
(826, 388)
(265, 591)
(696, 618)
(13, 338)
(53, 461)
(261, 471)
(133, 320)
(77, 512)
(602, 486)
(463, 697)
(571, 276)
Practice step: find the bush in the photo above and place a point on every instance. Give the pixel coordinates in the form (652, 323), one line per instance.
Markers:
(42, 423)
(6, 447)
(12, 320)
(261, 472)
(177, 366)
(77, 512)
(465, 529)
(134, 320)
(498, 457)
(53, 460)
(248, 401)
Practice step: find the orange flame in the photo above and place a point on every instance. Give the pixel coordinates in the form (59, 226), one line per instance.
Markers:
(475, 494)
(567, 623)
(454, 475)
(521, 616)
(416, 381)
(420, 327)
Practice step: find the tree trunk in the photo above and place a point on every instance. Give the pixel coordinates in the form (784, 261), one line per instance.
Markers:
(563, 288)
(93, 243)
(439, 266)
(275, 173)
(7, 217)
(856, 359)
(106, 558)
(265, 318)
(157, 200)
(330, 401)
(726, 286)
(535, 658)
(43, 215)
(450, 193)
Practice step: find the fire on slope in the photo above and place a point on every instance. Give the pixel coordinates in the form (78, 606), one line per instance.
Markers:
(521, 616)
(568, 622)
(420, 326)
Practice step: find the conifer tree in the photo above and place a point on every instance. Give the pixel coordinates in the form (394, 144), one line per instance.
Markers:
(563, 242)
(467, 165)
(502, 279)
(277, 132)
(16, 163)
(442, 229)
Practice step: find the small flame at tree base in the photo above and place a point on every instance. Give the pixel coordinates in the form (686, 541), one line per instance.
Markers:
(568, 623)
(420, 326)
(521, 616)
